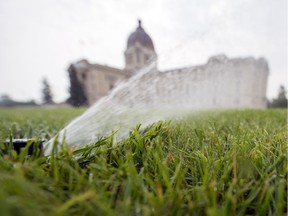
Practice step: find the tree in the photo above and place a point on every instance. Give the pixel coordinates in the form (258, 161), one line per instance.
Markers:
(5, 97)
(282, 93)
(7, 101)
(281, 100)
(46, 93)
(77, 95)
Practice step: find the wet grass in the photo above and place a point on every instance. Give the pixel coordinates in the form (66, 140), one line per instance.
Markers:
(209, 163)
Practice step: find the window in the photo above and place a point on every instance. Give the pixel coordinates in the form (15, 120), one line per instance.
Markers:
(138, 56)
(111, 80)
(147, 58)
(111, 86)
(128, 59)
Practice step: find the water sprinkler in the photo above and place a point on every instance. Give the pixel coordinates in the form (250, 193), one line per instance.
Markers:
(19, 144)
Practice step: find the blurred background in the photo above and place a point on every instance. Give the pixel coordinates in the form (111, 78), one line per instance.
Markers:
(41, 38)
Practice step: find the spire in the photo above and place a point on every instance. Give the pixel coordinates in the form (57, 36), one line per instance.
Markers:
(139, 23)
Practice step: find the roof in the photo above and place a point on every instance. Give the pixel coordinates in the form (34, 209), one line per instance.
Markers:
(140, 36)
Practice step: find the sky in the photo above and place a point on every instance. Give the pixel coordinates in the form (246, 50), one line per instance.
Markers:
(41, 38)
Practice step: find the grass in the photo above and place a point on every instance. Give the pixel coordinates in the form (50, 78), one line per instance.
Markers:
(210, 163)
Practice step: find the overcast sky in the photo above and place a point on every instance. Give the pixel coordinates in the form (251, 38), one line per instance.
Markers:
(40, 38)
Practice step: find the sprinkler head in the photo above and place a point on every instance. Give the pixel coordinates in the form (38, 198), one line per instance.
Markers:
(19, 144)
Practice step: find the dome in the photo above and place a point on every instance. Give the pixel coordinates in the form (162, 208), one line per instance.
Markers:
(140, 36)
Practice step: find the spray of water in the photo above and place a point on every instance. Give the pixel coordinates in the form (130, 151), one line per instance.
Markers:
(131, 102)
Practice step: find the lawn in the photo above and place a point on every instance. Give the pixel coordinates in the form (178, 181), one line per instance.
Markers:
(208, 163)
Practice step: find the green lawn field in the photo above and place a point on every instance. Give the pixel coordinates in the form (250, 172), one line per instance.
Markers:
(208, 163)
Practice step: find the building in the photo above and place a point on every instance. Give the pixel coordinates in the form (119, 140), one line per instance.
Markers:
(220, 83)
(97, 80)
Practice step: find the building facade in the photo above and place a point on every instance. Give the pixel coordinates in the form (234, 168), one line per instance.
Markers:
(220, 83)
